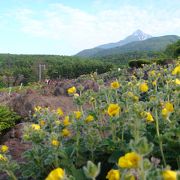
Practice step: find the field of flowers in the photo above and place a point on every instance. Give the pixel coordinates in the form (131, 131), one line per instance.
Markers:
(128, 130)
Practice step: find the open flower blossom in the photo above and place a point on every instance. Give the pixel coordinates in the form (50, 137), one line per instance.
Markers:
(35, 127)
(169, 175)
(56, 174)
(149, 117)
(4, 148)
(114, 110)
(55, 142)
(89, 118)
(169, 106)
(66, 121)
(115, 85)
(143, 87)
(77, 114)
(177, 81)
(66, 132)
(165, 112)
(72, 90)
(113, 174)
(129, 160)
(38, 108)
(176, 70)
(2, 158)
(60, 111)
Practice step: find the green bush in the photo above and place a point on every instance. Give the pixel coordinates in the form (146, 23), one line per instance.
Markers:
(8, 118)
(138, 63)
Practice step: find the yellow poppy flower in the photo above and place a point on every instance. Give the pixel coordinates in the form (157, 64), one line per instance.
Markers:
(35, 127)
(72, 90)
(165, 112)
(176, 70)
(55, 142)
(4, 148)
(56, 174)
(77, 114)
(169, 175)
(130, 160)
(149, 117)
(59, 111)
(115, 85)
(114, 110)
(89, 118)
(177, 81)
(169, 106)
(66, 132)
(2, 158)
(66, 121)
(113, 175)
(143, 87)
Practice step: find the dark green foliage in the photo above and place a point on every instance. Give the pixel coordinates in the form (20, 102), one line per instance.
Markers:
(8, 118)
(173, 50)
(16, 69)
(138, 63)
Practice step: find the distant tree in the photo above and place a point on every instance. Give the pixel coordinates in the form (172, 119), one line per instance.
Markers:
(173, 50)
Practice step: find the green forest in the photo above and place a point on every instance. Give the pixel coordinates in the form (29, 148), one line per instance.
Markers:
(17, 69)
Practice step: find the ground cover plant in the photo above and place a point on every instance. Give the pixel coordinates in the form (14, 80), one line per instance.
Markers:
(128, 130)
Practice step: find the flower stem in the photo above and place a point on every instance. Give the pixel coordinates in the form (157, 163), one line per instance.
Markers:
(159, 139)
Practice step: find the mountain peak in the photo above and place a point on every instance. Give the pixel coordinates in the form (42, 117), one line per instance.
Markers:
(141, 35)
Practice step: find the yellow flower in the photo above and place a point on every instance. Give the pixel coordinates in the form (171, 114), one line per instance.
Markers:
(59, 111)
(38, 108)
(42, 122)
(66, 132)
(177, 81)
(2, 158)
(169, 175)
(54, 142)
(66, 121)
(35, 127)
(89, 118)
(149, 117)
(154, 83)
(176, 70)
(143, 87)
(77, 114)
(114, 110)
(56, 174)
(115, 85)
(152, 73)
(4, 148)
(113, 175)
(130, 160)
(72, 90)
(169, 106)
(165, 112)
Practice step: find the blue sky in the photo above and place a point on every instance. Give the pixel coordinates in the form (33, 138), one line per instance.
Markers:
(68, 26)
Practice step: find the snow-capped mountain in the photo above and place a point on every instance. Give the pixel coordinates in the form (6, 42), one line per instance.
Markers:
(138, 35)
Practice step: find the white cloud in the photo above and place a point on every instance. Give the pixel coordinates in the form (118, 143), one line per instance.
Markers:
(81, 30)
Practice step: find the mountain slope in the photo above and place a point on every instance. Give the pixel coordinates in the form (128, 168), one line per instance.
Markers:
(151, 44)
(138, 35)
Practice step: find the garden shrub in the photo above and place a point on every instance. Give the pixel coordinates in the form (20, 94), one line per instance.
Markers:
(8, 118)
